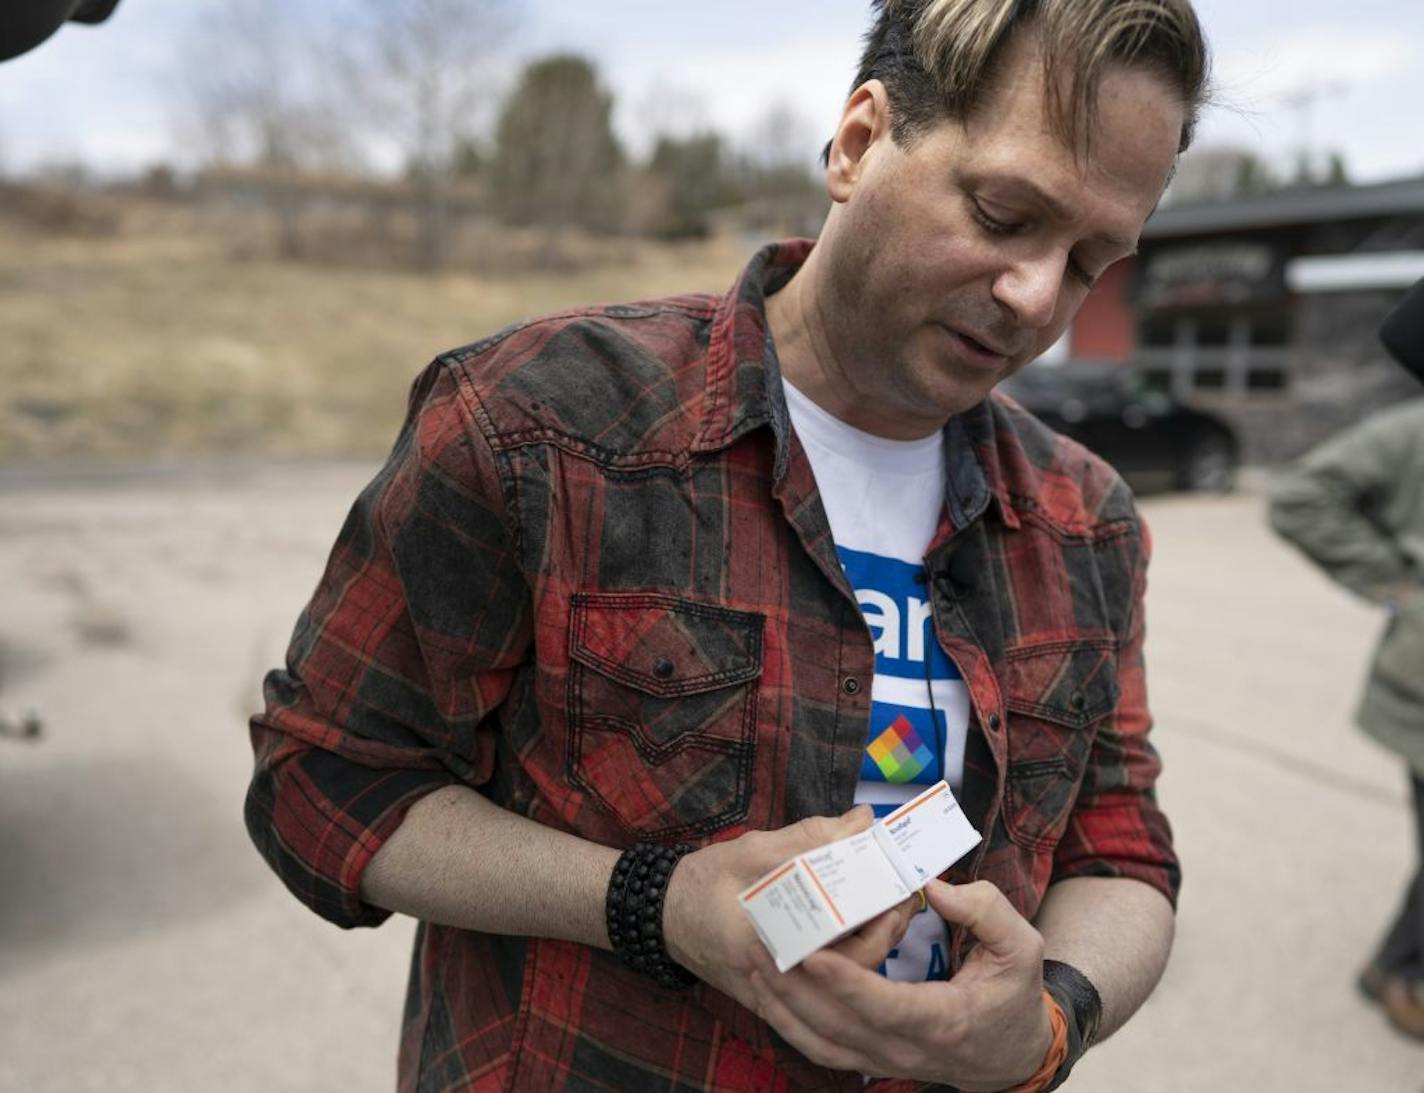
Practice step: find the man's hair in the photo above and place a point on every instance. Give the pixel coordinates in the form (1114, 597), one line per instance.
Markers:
(938, 59)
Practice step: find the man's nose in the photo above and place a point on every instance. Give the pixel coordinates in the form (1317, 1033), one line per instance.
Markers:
(1030, 289)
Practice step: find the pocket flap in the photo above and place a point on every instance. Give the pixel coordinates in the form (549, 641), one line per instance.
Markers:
(664, 645)
(1070, 683)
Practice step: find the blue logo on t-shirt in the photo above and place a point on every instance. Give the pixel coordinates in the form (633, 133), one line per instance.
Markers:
(897, 610)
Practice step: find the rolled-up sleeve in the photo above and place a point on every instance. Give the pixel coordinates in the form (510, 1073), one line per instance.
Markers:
(1117, 828)
(399, 662)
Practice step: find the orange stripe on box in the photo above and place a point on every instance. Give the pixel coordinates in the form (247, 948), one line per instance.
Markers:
(824, 894)
(924, 799)
(770, 880)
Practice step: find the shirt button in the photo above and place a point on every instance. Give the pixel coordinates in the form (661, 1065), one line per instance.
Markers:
(994, 722)
(851, 686)
(662, 668)
(1079, 701)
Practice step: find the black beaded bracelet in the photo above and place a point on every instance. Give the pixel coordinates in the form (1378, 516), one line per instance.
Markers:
(634, 912)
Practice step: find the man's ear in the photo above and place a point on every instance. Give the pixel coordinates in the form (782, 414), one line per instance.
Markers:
(865, 121)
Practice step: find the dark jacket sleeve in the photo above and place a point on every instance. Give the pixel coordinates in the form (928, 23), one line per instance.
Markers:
(397, 665)
(1324, 505)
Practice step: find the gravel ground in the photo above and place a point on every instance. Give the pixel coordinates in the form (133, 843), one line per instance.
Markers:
(144, 946)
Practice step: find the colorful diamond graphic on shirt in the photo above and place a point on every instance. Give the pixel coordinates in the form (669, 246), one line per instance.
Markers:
(899, 752)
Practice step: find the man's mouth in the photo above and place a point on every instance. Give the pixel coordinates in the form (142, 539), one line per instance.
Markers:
(978, 349)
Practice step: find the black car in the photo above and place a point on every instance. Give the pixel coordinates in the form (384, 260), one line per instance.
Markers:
(1142, 431)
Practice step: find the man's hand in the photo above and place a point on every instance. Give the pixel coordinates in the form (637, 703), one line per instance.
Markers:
(706, 931)
(985, 1029)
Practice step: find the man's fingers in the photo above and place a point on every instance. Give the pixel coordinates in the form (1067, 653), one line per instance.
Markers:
(871, 944)
(819, 1049)
(880, 1005)
(828, 1005)
(985, 912)
(817, 831)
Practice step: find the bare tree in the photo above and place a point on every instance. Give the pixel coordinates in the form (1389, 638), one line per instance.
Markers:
(420, 73)
(780, 139)
(666, 109)
(778, 155)
(256, 92)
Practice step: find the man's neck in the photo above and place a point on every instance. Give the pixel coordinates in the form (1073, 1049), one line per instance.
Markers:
(809, 358)
(803, 346)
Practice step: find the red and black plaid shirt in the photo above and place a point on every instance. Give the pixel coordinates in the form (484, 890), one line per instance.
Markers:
(595, 581)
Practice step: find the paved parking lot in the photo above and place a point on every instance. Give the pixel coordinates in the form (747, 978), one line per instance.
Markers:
(144, 946)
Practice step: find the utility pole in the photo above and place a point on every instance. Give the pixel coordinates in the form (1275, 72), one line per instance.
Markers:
(1302, 101)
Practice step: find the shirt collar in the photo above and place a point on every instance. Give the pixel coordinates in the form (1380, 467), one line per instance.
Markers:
(743, 375)
(745, 392)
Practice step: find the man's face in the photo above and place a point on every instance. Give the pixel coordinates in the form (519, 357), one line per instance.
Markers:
(953, 262)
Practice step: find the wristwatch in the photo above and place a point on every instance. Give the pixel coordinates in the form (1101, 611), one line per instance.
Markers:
(1079, 1000)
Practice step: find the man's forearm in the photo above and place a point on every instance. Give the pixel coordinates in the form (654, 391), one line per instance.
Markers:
(460, 860)
(1116, 932)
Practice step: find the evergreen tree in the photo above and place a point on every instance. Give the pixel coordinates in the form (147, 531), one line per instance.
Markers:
(557, 162)
(693, 175)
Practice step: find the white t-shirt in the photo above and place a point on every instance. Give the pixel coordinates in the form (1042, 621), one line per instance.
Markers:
(883, 499)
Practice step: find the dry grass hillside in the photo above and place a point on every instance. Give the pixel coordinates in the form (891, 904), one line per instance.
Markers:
(149, 333)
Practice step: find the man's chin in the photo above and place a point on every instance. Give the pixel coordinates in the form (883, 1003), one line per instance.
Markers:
(947, 403)
(964, 388)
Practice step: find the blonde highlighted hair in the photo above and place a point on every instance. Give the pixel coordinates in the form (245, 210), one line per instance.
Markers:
(938, 59)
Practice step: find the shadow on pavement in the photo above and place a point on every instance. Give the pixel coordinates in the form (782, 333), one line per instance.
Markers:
(94, 853)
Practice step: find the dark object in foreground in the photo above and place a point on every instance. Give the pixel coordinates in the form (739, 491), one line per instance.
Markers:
(1138, 429)
(1401, 1000)
(1403, 331)
(28, 727)
(26, 24)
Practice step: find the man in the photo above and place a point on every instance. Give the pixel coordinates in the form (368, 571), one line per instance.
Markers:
(605, 593)
(1355, 507)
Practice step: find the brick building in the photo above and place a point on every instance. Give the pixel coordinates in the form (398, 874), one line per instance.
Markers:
(1265, 310)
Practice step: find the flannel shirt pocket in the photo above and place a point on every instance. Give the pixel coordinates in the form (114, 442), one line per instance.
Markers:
(1055, 693)
(662, 700)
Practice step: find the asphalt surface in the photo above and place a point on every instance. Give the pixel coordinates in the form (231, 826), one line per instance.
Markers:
(144, 946)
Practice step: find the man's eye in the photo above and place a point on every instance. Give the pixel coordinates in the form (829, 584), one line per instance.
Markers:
(1079, 274)
(992, 224)
(996, 226)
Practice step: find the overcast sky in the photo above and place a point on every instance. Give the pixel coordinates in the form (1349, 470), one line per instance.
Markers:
(106, 95)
